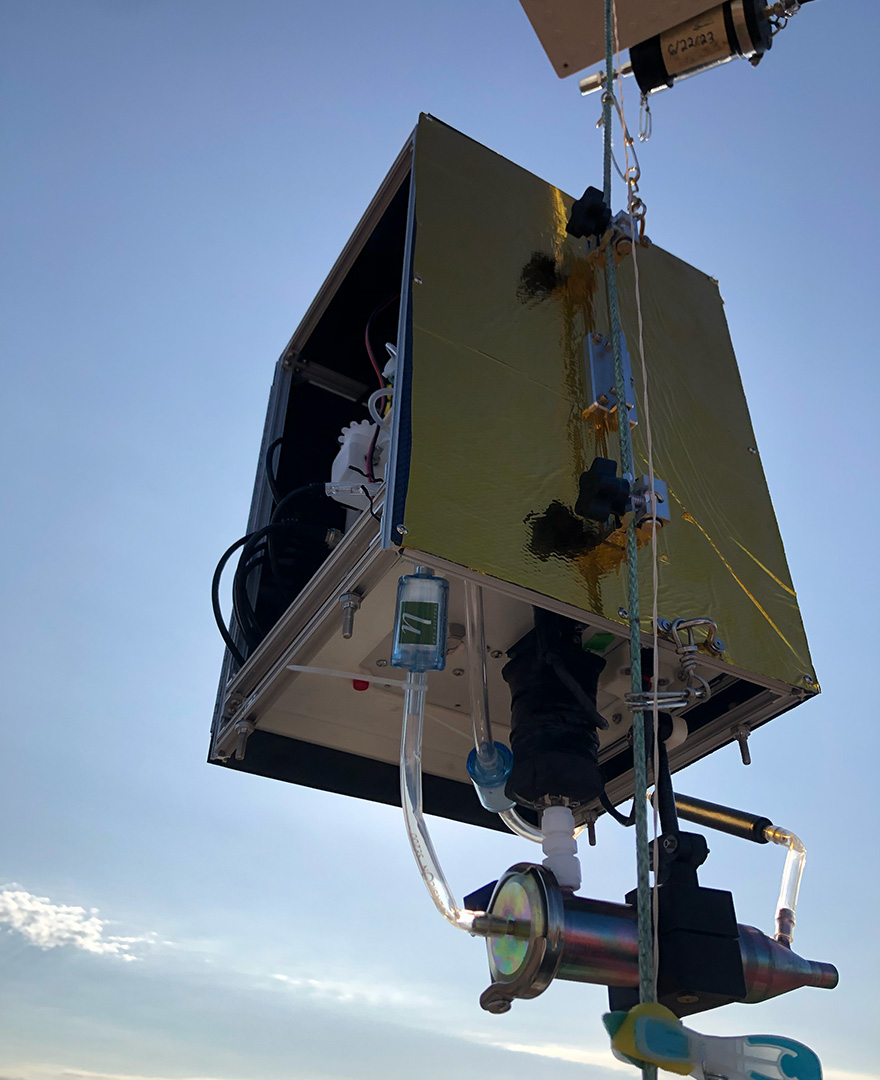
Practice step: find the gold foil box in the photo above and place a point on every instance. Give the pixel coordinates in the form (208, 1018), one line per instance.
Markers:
(494, 420)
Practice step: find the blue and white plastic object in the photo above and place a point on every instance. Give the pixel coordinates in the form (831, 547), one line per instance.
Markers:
(420, 625)
(490, 778)
(653, 1034)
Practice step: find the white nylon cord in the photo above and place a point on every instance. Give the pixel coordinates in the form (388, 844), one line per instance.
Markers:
(655, 576)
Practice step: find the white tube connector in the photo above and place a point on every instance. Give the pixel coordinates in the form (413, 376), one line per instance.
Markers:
(560, 846)
(792, 873)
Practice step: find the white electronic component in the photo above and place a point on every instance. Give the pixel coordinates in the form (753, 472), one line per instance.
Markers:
(350, 466)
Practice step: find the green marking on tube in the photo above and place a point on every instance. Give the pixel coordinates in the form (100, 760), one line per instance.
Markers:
(418, 622)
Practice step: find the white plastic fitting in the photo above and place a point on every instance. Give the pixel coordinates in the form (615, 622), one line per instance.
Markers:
(350, 464)
(560, 846)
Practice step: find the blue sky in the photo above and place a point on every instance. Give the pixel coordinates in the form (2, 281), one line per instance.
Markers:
(178, 179)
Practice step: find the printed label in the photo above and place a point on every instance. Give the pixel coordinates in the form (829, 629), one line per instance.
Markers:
(691, 45)
(418, 622)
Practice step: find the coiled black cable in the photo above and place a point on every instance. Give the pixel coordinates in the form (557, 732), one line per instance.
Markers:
(242, 608)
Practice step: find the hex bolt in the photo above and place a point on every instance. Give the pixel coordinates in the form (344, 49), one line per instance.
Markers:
(351, 602)
(742, 732)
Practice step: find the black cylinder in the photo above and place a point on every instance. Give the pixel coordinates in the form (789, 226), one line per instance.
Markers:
(723, 818)
(733, 28)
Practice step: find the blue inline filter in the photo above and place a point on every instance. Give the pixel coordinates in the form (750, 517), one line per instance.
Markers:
(420, 624)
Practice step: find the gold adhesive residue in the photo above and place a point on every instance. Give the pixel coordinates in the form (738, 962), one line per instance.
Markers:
(769, 573)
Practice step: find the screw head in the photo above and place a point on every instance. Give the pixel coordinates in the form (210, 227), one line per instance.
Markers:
(688, 999)
(417, 279)
(623, 613)
(809, 680)
(458, 671)
(401, 530)
(753, 449)
(617, 718)
(670, 844)
(381, 663)
(496, 653)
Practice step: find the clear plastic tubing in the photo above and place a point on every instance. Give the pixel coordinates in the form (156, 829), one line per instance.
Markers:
(792, 873)
(411, 798)
(479, 688)
(521, 827)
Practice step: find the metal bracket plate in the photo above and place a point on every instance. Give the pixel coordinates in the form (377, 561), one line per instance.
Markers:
(602, 391)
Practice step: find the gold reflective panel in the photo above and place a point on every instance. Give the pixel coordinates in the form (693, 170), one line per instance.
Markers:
(503, 303)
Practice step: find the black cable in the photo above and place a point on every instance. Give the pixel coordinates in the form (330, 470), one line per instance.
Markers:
(246, 609)
(371, 453)
(276, 513)
(373, 513)
(245, 612)
(662, 785)
(665, 794)
(251, 558)
(215, 600)
(243, 607)
(271, 474)
(607, 805)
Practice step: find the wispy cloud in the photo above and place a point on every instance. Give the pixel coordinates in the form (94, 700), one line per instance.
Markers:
(560, 1052)
(353, 993)
(49, 926)
(33, 1071)
(843, 1074)
(86, 1075)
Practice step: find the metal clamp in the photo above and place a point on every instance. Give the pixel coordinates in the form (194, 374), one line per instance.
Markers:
(673, 631)
(695, 686)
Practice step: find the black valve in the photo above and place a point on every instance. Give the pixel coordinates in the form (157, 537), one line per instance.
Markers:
(589, 215)
(602, 492)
